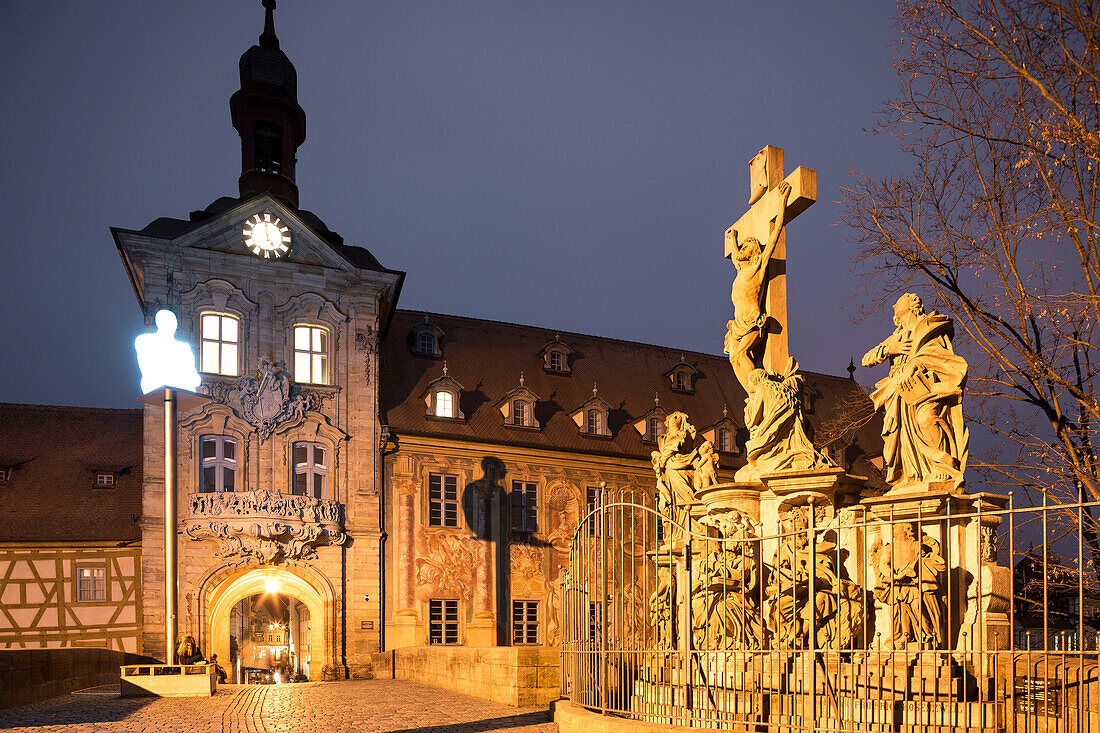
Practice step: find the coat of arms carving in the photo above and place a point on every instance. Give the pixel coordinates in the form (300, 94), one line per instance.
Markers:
(269, 399)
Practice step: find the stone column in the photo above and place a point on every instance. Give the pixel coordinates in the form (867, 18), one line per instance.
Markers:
(406, 621)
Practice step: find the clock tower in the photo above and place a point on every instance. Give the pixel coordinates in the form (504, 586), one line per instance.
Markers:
(279, 475)
(268, 117)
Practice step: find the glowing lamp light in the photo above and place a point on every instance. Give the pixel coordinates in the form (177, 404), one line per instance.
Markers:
(273, 586)
(164, 361)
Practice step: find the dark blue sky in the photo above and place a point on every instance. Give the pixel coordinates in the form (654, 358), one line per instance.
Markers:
(571, 165)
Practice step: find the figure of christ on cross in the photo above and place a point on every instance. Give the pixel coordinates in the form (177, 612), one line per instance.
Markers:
(748, 328)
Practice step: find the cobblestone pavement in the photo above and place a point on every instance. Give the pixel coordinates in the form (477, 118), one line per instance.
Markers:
(377, 706)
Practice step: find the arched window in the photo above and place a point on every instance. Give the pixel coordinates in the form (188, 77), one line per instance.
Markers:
(557, 361)
(681, 382)
(519, 412)
(444, 404)
(219, 463)
(311, 355)
(311, 470)
(656, 428)
(725, 440)
(593, 421)
(220, 343)
(267, 144)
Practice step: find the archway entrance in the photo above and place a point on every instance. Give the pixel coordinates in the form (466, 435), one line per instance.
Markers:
(269, 639)
(270, 621)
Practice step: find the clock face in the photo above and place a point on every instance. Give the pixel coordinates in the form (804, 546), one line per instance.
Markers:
(266, 236)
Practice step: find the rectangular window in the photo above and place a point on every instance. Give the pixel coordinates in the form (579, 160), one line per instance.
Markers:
(91, 583)
(311, 470)
(104, 480)
(219, 463)
(218, 350)
(525, 622)
(442, 500)
(524, 506)
(442, 622)
(311, 354)
(592, 501)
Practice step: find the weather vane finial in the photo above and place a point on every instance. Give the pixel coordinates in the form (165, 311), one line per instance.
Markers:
(268, 39)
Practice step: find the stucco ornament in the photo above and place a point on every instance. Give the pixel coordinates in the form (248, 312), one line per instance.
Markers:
(269, 399)
(778, 434)
(924, 436)
(263, 525)
(908, 575)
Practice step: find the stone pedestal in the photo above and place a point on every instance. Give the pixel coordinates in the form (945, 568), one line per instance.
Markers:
(978, 591)
(482, 631)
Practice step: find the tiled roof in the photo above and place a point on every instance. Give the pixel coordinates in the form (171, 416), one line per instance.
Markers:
(54, 454)
(487, 357)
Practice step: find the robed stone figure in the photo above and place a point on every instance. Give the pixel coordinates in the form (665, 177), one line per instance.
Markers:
(924, 437)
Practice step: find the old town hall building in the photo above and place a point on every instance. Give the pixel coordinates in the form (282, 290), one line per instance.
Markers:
(364, 477)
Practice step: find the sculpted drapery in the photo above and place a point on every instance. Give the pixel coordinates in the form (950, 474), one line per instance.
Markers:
(924, 436)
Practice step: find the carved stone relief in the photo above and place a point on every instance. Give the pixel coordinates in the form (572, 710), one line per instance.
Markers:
(263, 525)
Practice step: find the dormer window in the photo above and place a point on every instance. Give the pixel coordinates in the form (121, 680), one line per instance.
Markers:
(722, 435)
(425, 344)
(591, 417)
(442, 398)
(104, 480)
(518, 407)
(444, 404)
(425, 339)
(655, 429)
(555, 357)
(682, 377)
(725, 441)
(592, 422)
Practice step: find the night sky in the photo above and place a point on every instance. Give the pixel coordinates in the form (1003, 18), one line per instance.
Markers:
(569, 165)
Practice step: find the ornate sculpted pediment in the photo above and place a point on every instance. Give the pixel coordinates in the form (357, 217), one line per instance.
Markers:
(264, 525)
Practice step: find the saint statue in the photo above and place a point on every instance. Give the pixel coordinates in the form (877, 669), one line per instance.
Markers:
(924, 436)
(908, 584)
(674, 465)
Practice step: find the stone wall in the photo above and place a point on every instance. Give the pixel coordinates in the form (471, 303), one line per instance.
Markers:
(517, 676)
(30, 675)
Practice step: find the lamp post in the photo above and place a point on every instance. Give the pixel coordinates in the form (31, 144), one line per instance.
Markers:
(168, 378)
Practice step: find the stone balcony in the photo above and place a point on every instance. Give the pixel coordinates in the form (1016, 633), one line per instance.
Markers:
(264, 525)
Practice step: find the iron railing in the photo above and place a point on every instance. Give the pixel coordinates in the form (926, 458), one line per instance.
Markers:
(840, 620)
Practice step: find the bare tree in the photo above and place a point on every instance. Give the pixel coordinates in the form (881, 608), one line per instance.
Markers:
(999, 110)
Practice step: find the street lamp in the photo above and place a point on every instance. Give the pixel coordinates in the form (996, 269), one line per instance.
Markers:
(168, 377)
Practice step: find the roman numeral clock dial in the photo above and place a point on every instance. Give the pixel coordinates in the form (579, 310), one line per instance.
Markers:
(266, 236)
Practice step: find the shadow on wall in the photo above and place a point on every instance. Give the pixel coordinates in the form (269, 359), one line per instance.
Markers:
(487, 505)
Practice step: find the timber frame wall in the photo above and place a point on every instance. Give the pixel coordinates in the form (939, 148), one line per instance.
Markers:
(38, 596)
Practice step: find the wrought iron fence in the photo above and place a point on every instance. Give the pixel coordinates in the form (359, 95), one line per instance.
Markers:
(840, 620)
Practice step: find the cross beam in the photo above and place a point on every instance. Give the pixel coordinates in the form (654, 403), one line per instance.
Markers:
(765, 174)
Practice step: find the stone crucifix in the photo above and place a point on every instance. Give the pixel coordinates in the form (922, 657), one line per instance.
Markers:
(757, 336)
